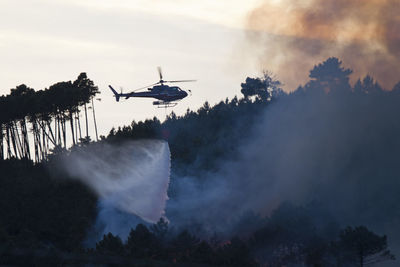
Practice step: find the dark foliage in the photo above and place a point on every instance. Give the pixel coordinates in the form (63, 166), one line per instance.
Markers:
(142, 243)
(199, 139)
(235, 253)
(110, 245)
(39, 213)
(262, 88)
(48, 112)
(360, 246)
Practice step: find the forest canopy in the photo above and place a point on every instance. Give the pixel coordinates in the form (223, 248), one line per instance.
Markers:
(268, 178)
(47, 111)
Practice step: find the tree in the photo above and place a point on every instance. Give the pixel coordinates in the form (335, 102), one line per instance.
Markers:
(235, 253)
(203, 253)
(110, 245)
(363, 247)
(160, 229)
(367, 86)
(262, 88)
(330, 75)
(142, 243)
(59, 103)
(396, 87)
(87, 91)
(184, 245)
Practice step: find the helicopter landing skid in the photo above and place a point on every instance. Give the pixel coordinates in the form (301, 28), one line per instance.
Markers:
(162, 104)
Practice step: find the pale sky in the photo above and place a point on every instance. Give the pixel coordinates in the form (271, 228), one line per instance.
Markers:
(121, 43)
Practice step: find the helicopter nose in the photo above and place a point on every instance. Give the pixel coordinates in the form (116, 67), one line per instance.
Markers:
(185, 94)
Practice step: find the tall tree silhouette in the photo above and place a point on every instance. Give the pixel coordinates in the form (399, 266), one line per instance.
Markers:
(87, 92)
(363, 246)
(330, 75)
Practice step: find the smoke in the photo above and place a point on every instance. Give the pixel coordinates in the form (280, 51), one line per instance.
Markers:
(338, 151)
(292, 35)
(130, 179)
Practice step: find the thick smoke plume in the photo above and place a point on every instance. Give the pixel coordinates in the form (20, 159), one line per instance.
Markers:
(337, 153)
(131, 178)
(292, 35)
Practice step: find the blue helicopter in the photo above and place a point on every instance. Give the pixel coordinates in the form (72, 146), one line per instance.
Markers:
(166, 95)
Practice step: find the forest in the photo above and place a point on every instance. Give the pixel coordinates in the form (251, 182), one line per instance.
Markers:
(333, 203)
(46, 114)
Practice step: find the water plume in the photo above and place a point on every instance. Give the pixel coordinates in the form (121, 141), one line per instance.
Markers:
(130, 179)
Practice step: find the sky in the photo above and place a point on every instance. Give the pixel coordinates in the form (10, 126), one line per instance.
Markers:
(121, 43)
(217, 42)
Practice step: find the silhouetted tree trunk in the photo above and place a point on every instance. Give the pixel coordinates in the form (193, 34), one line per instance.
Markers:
(58, 130)
(36, 140)
(8, 141)
(363, 246)
(51, 136)
(63, 130)
(71, 119)
(47, 136)
(44, 143)
(79, 124)
(25, 139)
(19, 141)
(39, 145)
(1, 143)
(14, 140)
(76, 128)
(87, 124)
(94, 119)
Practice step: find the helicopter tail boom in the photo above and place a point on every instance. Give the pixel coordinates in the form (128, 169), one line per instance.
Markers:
(117, 96)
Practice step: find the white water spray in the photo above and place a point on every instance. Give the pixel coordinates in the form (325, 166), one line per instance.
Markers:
(132, 177)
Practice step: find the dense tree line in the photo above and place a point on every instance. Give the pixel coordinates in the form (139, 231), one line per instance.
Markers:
(49, 216)
(204, 136)
(162, 244)
(48, 112)
(286, 238)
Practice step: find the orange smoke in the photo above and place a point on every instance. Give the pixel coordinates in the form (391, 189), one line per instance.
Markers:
(295, 35)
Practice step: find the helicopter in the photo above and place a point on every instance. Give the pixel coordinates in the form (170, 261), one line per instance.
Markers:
(165, 94)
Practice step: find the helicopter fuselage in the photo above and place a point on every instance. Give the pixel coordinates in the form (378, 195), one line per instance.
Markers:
(161, 92)
(164, 93)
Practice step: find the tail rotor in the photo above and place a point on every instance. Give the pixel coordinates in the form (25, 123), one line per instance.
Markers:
(116, 95)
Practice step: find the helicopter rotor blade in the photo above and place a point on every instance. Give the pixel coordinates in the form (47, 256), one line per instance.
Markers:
(161, 81)
(160, 72)
(180, 81)
(144, 87)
